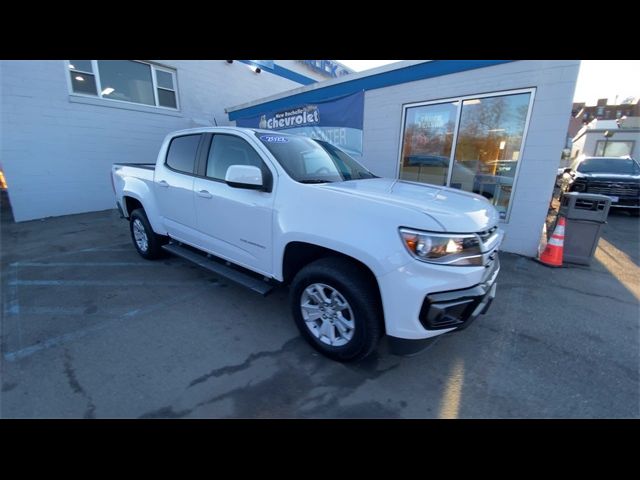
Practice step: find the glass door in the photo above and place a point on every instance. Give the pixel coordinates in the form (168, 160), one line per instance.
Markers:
(427, 142)
(488, 146)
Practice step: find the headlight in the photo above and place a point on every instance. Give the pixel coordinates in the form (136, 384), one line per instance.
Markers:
(444, 249)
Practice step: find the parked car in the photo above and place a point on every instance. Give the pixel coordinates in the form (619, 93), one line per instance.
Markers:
(616, 177)
(363, 256)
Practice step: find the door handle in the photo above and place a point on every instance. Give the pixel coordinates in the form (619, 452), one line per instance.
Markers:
(204, 194)
(163, 184)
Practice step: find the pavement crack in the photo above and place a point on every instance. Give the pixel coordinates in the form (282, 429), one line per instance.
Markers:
(231, 369)
(70, 373)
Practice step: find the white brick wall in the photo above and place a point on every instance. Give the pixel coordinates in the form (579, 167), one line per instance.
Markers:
(57, 154)
(554, 81)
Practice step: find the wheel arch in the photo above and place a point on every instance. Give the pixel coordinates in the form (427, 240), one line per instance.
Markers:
(137, 194)
(298, 254)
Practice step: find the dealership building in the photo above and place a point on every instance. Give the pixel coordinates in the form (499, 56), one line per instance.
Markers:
(63, 123)
(496, 128)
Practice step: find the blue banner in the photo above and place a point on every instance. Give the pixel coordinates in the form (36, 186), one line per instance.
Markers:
(338, 121)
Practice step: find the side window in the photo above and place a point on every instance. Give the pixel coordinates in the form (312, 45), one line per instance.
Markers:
(227, 150)
(182, 153)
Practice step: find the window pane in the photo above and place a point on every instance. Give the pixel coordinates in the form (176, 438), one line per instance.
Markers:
(488, 147)
(83, 83)
(227, 150)
(82, 65)
(166, 98)
(613, 148)
(426, 147)
(165, 79)
(182, 153)
(126, 80)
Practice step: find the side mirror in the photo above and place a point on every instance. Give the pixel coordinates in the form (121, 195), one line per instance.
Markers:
(567, 170)
(244, 176)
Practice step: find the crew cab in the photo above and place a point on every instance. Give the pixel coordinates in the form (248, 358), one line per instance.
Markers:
(363, 256)
(616, 177)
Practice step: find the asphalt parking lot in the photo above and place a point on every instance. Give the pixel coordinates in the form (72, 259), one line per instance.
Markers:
(91, 330)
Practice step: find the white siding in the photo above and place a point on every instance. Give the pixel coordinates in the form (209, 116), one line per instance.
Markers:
(57, 153)
(555, 82)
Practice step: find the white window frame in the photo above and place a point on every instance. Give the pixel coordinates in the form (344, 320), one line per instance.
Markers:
(452, 156)
(153, 66)
(74, 69)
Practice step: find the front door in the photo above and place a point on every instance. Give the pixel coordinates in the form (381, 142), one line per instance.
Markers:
(235, 223)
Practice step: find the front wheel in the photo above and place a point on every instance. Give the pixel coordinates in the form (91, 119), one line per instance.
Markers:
(147, 242)
(336, 307)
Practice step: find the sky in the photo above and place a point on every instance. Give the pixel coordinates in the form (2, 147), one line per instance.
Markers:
(597, 78)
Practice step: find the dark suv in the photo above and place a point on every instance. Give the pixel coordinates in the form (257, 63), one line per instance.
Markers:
(615, 177)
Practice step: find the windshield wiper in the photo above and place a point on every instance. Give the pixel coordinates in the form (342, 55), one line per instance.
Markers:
(314, 180)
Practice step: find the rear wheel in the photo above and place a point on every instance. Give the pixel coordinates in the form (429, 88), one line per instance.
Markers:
(147, 242)
(336, 308)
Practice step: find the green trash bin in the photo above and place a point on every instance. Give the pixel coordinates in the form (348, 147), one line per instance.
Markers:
(585, 214)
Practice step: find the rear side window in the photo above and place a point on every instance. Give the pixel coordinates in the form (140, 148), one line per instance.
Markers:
(182, 153)
(227, 150)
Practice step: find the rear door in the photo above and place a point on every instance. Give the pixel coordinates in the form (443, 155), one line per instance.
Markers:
(236, 223)
(174, 186)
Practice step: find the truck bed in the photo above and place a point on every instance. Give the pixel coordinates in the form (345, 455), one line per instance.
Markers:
(131, 172)
(146, 166)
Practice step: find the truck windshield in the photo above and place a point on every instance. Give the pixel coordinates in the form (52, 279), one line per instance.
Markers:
(312, 161)
(609, 165)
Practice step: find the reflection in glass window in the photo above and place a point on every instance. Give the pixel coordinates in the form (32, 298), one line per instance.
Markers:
(227, 150)
(126, 80)
(488, 146)
(428, 137)
(182, 153)
(82, 78)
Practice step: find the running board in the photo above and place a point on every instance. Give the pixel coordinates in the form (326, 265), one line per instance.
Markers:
(243, 279)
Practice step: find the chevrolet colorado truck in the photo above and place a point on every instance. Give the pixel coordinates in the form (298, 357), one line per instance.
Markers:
(363, 256)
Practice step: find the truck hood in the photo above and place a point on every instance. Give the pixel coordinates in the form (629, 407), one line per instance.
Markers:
(455, 210)
(610, 177)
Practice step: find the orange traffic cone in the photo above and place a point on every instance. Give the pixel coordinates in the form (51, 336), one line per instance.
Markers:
(552, 255)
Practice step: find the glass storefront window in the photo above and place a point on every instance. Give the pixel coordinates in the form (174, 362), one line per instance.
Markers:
(488, 147)
(428, 138)
(472, 144)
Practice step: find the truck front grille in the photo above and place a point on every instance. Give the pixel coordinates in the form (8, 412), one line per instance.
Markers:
(618, 189)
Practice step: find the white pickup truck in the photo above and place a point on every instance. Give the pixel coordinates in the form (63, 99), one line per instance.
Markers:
(363, 256)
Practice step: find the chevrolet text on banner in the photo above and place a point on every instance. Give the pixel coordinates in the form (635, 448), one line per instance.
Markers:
(338, 121)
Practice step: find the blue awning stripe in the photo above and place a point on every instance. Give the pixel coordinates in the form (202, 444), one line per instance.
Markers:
(411, 73)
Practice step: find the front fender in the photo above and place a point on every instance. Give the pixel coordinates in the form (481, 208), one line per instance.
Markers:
(379, 265)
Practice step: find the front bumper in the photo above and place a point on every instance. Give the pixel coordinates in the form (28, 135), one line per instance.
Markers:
(421, 300)
(626, 202)
(458, 308)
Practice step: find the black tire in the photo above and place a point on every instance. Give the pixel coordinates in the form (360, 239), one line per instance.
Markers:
(635, 212)
(154, 241)
(358, 290)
